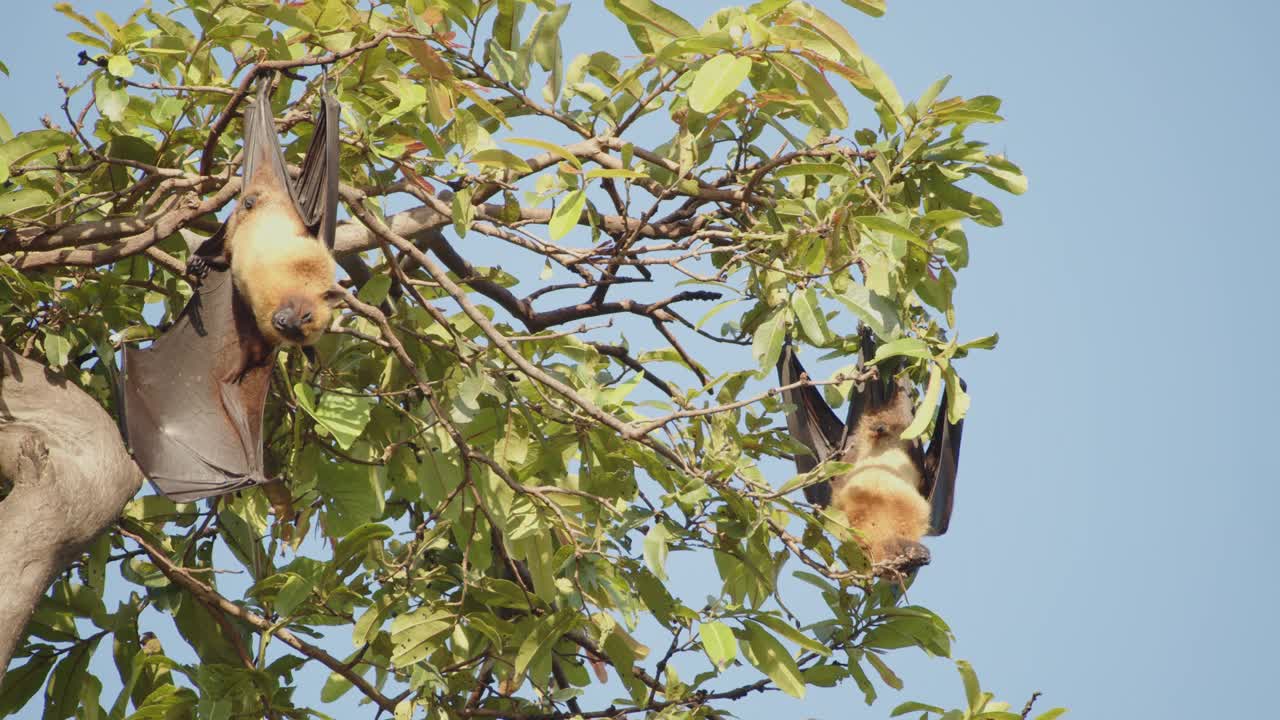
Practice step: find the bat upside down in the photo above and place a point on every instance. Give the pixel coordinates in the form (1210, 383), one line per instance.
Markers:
(897, 491)
(193, 401)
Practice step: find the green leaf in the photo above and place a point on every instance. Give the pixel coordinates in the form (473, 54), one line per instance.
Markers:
(57, 350)
(781, 627)
(1007, 180)
(344, 416)
(931, 93)
(651, 26)
(552, 148)
(412, 634)
(719, 307)
(616, 173)
(22, 683)
(928, 407)
(887, 675)
(957, 398)
(718, 643)
(120, 66)
(30, 145)
(1051, 714)
(860, 678)
(874, 8)
(771, 658)
(62, 694)
(497, 157)
(813, 168)
(13, 202)
(986, 342)
(567, 213)
(885, 225)
(546, 632)
(766, 345)
(809, 314)
(335, 687)
(66, 9)
(655, 549)
(294, 592)
(111, 101)
(972, 691)
(910, 347)
(544, 38)
(878, 312)
(375, 290)
(463, 211)
(357, 541)
(713, 82)
(356, 496)
(909, 707)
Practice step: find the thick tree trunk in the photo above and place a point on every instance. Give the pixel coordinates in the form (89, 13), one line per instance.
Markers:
(68, 475)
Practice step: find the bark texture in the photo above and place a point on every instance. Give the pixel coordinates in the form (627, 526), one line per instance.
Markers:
(68, 477)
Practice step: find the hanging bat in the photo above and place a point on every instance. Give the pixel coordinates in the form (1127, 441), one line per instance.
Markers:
(193, 401)
(898, 491)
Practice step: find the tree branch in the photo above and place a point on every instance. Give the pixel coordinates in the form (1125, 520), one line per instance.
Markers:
(70, 477)
(181, 577)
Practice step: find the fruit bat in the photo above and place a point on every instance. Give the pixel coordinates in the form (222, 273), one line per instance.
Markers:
(897, 490)
(193, 401)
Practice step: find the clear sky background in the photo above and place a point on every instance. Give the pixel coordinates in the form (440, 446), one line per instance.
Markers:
(1109, 546)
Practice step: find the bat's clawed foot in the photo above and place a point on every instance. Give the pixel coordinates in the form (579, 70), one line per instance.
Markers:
(899, 556)
(198, 266)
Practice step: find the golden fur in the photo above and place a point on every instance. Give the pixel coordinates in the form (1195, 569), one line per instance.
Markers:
(277, 264)
(881, 496)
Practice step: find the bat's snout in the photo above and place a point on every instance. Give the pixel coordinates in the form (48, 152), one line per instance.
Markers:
(289, 322)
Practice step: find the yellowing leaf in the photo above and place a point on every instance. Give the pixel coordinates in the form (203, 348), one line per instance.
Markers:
(713, 82)
(567, 214)
(874, 8)
(718, 643)
(655, 549)
(496, 157)
(119, 66)
(549, 147)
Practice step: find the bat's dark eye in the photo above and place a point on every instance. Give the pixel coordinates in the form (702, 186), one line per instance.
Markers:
(306, 317)
(250, 201)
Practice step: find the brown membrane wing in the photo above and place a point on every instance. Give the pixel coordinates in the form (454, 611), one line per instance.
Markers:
(941, 464)
(315, 191)
(194, 424)
(811, 423)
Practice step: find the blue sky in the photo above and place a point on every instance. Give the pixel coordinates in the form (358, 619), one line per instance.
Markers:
(1108, 546)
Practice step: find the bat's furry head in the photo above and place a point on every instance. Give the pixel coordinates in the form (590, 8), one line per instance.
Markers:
(283, 271)
(886, 512)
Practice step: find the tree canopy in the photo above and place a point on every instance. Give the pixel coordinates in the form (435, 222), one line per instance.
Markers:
(535, 472)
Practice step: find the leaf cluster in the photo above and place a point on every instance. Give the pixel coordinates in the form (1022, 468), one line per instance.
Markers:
(495, 502)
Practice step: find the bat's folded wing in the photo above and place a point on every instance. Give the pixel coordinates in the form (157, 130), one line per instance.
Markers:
(941, 463)
(194, 421)
(811, 423)
(316, 190)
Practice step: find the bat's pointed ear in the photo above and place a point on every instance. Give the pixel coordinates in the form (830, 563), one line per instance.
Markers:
(334, 296)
